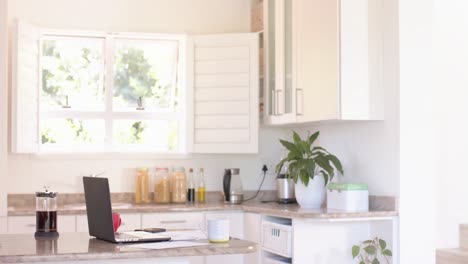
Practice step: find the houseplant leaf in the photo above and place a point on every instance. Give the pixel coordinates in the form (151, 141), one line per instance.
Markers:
(387, 252)
(382, 244)
(280, 165)
(290, 146)
(326, 177)
(355, 251)
(313, 137)
(371, 250)
(335, 162)
(296, 137)
(375, 261)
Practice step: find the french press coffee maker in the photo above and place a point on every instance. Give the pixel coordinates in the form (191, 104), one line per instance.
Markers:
(46, 213)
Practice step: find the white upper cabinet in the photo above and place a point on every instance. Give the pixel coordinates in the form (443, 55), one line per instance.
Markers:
(222, 92)
(323, 60)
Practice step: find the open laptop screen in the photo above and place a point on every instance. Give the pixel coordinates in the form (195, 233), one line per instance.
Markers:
(99, 208)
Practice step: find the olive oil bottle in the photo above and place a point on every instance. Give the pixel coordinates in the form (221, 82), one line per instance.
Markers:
(201, 192)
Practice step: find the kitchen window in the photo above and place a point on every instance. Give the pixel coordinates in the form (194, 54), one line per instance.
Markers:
(95, 92)
(109, 94)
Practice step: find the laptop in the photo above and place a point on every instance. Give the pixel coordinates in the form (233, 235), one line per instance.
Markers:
(99, 211)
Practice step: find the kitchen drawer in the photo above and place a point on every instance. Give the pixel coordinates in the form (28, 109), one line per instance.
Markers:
(277, 236)
(236, 222)
(129, 222)
(173, 220)
(27, 224)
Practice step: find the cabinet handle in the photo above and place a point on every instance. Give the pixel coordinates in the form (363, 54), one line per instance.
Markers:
(31, 225)
(279, 100)
(173, 221)
(273, 102)
(299, 101)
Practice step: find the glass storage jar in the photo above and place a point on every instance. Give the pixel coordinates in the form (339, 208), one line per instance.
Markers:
(162, 187)
(142, 186)
(179, 185)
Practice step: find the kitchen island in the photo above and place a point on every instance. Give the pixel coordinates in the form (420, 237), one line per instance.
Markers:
(80, 247)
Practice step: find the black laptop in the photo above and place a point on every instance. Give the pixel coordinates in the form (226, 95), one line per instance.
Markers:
(99, 211)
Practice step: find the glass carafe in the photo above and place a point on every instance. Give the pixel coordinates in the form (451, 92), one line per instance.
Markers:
(46, 214)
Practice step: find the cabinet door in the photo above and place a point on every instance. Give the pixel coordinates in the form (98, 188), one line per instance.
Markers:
(225, 259)
(252, 232)
(3, 225)
(280, 93)
(236, 222)
(316, 59)
(27, 224)
(130, 222)
(21, 224)
(173, 220)
(222, 93)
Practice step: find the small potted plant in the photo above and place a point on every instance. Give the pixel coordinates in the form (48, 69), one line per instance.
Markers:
(372, 251)
(311, 168)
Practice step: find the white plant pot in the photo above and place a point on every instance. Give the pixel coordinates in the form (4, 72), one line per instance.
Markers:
(313, 195)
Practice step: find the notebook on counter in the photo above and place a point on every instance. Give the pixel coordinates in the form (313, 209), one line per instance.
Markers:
(99, 212)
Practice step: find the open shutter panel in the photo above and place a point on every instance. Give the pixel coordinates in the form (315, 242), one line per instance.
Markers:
(223, 85)
(25, 88)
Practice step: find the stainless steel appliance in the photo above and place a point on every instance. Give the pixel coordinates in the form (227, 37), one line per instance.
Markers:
(285, 189)
(232, 186)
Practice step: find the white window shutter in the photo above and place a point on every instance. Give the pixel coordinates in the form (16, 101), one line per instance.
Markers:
(223, 85)
(25, 88)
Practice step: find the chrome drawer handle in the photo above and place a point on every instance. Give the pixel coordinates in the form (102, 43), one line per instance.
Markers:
(174, 222)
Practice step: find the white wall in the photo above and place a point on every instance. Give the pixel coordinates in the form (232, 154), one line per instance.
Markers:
(163, 16)
(369, 151)
(451, 43)
(27, 174)
(3, 103)
(417, 137)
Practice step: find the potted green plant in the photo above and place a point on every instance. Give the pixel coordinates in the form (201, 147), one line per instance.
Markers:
(311, 168)
(372, 251)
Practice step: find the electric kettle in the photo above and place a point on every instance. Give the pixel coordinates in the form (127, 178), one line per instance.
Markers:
(232, 187)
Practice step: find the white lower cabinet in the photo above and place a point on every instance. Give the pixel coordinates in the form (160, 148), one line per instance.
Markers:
(225, 259)
(130, 222)
(173, 220)
(21, 224)
(3, 225)
(252, 232)
(66, 223)
(27, 224)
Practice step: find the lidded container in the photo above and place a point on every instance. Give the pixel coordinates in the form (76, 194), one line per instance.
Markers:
(162, 186)
(142, 186)
(179, 185)
(46, 213)
(349, 197)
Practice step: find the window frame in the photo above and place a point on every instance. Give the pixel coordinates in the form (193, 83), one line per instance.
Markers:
(108, 114)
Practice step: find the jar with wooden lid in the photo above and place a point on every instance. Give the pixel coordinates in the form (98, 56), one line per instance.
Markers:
(179, 185)
(142, 186)
(162, 187)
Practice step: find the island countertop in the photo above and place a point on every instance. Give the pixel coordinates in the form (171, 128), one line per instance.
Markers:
(23, 248)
